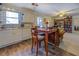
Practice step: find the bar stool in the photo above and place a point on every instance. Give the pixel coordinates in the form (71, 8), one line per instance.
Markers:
(37, 38)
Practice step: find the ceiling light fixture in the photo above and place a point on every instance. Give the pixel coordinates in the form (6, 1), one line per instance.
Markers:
(34, 4)
(61, 15)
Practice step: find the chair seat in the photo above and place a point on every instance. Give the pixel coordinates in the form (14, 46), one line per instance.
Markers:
(39, 37)
(42, 34)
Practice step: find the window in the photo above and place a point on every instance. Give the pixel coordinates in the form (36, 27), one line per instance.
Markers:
(12, 17)
(39, 22)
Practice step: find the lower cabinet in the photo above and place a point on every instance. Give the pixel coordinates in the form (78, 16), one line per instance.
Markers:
(26, 33)
(11, 36)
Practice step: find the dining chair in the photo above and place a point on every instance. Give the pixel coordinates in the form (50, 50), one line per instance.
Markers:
(54, 37)
(61, 33)
(37, 38)
(59, 36)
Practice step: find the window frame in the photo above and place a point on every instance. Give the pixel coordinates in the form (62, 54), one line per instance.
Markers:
(12, 17)
(39, 21)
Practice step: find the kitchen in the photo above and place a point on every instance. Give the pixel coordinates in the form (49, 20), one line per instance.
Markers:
(12, 32)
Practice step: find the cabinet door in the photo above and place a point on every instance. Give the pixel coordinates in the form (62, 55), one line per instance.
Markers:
(16, 34)
(3, 39)
(6, 37)
(26, 33)
(9, 36)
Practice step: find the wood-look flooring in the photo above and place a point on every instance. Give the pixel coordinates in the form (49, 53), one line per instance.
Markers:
(24, 49)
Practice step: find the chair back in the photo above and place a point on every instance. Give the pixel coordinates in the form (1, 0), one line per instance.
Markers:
(34, 31)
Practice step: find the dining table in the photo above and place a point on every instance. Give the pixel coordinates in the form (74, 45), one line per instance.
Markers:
(46, 32)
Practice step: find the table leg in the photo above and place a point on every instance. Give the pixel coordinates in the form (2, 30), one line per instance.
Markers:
(37, 46)
(46, 43)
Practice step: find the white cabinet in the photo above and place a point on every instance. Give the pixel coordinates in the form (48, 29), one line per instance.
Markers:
(26, 33)
(15, 35)
(11, 36)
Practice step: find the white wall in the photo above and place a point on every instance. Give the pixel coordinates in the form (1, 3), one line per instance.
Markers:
(75, 21)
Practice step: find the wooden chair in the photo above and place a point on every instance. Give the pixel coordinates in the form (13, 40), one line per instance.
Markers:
(59, 36)
(55, 37)
(36, 39)
(61, 33)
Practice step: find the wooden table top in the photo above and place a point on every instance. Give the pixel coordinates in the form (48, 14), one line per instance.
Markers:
(46, 30)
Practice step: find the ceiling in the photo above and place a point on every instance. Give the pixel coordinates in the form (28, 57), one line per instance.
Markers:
(51, 8)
